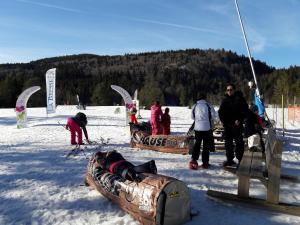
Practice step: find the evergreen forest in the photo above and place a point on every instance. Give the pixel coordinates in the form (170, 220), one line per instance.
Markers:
(175, 78)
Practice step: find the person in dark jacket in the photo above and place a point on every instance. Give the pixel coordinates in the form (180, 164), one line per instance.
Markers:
(166, 122)
(254, 125)
(232, 113)
(114, 162)
(75, 125)
(253, 122)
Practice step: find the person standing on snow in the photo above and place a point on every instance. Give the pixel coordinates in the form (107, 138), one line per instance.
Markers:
(203, 113)
(232, 112)
(132, 116)
(156, 114)
(75, 125)
(166, 122)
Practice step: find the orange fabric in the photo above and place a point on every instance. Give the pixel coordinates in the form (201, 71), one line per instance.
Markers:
(294, 113)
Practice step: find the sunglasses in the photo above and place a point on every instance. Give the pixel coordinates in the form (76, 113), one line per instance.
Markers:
(229, 90)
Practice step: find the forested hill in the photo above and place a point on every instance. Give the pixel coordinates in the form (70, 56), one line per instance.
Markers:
(173, 77)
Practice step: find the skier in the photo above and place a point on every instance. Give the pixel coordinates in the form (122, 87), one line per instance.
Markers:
(166, 122)
(114, 162)
(75, 125)
(156, 115)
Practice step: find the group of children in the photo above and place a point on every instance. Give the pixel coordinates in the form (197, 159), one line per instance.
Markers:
(160, 122)
(110, 161)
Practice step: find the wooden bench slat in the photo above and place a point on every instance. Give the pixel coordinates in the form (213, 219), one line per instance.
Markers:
(256, 165)
(252, 167)
(245, 164)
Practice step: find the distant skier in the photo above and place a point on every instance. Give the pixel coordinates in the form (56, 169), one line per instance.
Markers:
(75, 125)
(156, 115)
(132, 116)
(114, 162)
(166, 122)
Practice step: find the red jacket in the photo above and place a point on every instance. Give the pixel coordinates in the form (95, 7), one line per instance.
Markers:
(156, 115)
(166, 122)
(133, 118)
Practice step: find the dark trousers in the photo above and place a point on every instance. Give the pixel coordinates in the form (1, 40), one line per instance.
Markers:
(234, 133)
(208, 144)
(128, 171)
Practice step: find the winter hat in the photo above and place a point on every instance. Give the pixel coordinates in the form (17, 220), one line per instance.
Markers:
(82, 117)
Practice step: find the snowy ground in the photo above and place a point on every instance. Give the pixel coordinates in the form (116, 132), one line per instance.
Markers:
(38, 185)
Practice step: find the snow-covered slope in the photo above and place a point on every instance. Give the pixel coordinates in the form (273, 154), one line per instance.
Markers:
(38, 185)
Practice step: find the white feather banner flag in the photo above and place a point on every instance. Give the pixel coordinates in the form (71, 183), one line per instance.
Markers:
(50, 87)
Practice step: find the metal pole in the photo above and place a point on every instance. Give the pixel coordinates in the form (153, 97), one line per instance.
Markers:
(247, 46)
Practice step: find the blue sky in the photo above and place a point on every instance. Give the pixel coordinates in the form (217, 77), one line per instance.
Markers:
(35, 29)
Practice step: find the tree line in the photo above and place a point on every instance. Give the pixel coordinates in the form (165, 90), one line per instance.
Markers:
(175, 78)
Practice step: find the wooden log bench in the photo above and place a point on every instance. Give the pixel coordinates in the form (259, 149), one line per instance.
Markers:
(262, 166)
(265, 167)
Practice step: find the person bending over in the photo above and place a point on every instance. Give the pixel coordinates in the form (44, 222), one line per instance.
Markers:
(75, 125)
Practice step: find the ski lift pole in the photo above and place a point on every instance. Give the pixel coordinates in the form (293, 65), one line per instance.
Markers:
(247, 46)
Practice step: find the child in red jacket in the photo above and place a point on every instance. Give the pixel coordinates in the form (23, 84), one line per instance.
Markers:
(166, 122)
(132, 116)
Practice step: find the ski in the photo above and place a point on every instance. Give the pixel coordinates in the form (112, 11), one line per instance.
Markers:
(74, 151)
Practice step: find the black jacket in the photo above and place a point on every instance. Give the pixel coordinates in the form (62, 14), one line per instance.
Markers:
(233, 108)
(252, 125)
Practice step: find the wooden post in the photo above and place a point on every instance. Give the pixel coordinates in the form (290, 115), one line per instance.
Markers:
(294, 111)
(274, 169)
(282, 106)
(273, 111)
(276, 113)
(243, 186)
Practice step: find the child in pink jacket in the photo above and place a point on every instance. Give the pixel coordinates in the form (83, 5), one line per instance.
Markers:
(75, 125)
(156, 114)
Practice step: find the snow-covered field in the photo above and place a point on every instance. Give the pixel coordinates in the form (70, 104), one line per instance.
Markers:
(38, 185)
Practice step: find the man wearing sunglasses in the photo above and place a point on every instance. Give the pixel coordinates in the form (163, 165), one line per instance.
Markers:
(232, 113)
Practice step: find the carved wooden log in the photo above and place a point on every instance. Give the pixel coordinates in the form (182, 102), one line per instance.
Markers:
(179, 144)
(155, 200)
